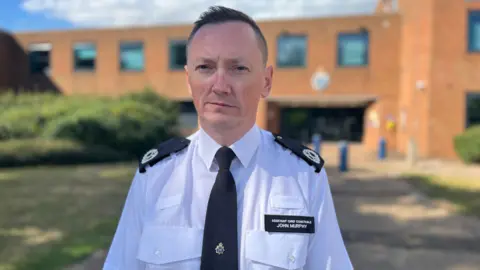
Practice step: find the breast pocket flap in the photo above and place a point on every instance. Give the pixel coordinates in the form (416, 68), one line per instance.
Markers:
(282, 250)
(163, 245)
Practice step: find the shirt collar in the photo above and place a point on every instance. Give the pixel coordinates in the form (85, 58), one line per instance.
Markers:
(243, 148)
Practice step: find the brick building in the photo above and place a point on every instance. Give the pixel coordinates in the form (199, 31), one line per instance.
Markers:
(414, 64)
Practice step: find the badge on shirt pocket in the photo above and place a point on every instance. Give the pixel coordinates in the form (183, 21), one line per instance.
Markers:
(289, 224)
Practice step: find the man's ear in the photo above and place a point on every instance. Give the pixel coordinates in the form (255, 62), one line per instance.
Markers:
(268, 77)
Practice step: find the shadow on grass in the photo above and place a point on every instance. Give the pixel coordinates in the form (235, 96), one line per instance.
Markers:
(52, 217)
(71, 249)
(467, 201)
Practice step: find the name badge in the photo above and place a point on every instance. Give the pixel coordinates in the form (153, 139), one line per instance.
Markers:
(289, 224)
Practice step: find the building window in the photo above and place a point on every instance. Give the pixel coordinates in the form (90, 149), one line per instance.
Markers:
(84, 55)
(132, 56)
(353, 49)
(178, 54)
(39, 58)
(473, 109)
(474, 31)
(291, 51)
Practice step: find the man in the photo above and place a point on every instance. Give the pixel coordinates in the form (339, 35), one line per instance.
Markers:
(231, 196)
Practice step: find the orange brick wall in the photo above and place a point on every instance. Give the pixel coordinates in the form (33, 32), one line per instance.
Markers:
(380, 77)
(107, 78)
(425, 40)
(416, 56)
(434, 50)
(454, 72)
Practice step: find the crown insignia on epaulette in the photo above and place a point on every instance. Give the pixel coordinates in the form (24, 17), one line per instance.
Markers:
(305, 153)
(162, 151)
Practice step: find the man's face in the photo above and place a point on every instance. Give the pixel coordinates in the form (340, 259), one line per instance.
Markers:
(226, 74)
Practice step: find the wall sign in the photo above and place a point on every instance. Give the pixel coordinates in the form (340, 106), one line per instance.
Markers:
(320, 80)
(373, 120)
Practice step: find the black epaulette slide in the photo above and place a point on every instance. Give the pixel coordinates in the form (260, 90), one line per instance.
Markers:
(162, 151)
(305, 153)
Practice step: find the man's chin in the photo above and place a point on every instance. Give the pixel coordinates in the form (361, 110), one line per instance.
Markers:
(219, 120)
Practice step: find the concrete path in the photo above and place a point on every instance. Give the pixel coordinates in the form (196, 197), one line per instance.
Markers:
(388, 225)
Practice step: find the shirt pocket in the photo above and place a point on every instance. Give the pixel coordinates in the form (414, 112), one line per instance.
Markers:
(172, 248)
(167, 202)
(166, 210)
(286, 202)
(287, 205)
(276, 251)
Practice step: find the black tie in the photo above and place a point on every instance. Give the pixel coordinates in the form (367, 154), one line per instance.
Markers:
(220, 247)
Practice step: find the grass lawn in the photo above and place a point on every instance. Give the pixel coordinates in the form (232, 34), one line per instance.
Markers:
(463, 193)
(51, 217)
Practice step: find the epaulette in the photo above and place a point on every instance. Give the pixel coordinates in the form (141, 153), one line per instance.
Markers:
(162, 151)
(305, 153)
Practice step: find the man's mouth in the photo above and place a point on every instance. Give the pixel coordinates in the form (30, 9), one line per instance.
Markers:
(221, 104)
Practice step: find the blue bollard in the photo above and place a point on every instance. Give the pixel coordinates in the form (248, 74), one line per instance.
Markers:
(382, 149)
(343, 164)
(316, 141)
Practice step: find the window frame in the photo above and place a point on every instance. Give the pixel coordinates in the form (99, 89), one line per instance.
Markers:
(340, 58)
(171, 44)
(124, 42)
(473, 15)
(77, 69)
(305, 55)
(475, 95)
(29, 50)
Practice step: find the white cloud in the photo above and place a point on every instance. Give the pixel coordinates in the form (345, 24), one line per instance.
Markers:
(113, 13)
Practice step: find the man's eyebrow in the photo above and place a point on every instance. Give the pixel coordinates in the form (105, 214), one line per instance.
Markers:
(236, 60)
(232, 60)
(204, 59)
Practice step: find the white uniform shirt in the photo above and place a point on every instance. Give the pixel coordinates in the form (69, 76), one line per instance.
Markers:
(161, 226)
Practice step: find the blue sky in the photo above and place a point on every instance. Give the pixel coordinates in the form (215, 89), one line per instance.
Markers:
(37, 15)
(14, 18)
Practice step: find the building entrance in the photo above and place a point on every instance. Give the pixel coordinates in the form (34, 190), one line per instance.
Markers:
(333, 124)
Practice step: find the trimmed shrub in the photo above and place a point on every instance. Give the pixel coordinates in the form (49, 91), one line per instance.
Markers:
(149, 98)
(467, 145)
(9, 99)
(54, 152)
(30, 114)
(130, 124)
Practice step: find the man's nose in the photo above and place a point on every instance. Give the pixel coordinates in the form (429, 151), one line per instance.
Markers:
(220, 84)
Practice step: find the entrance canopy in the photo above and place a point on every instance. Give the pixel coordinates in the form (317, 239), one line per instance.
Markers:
(324, 101)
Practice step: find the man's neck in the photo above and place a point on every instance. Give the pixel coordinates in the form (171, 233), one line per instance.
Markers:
(226, 136)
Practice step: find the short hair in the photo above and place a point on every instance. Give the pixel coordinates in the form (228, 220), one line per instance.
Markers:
(221, 14)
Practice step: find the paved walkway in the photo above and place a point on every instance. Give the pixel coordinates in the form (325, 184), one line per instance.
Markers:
(387, 225)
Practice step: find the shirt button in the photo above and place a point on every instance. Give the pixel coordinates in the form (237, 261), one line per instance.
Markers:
(291, 258)
(157, 252)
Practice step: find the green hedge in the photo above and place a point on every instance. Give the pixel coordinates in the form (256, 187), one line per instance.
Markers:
(26, 152)
(127, 126)
(130, 124)
(26, 115)
(467, 145)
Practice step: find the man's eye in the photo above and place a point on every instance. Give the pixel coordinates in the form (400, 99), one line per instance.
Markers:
(202, 67)
(241, 68)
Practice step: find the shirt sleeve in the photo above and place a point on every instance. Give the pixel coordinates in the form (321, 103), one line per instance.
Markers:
(327, 250)
(123, 249)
